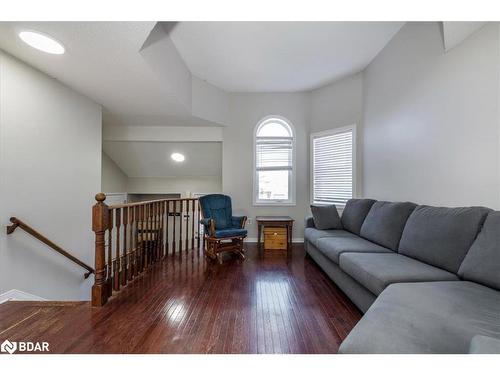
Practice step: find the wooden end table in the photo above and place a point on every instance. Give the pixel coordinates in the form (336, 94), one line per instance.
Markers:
(275, 221)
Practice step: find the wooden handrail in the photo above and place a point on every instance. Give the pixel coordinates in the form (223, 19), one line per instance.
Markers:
(28, 229)
(141, 203)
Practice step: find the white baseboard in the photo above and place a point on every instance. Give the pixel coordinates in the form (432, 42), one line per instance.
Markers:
(294, 240)
(19, 295)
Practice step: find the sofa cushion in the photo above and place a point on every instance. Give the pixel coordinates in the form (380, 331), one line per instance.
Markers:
(434, 317)
(326, 217)
(354, 214)
(385, 222)
(482, 262)
(230, 232)
(313, 235)
(441, 236)
(376, 271)
(332, 247)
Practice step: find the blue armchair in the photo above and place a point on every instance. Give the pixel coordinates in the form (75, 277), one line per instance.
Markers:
(222, 230)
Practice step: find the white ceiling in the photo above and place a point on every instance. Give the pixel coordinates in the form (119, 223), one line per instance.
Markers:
(102, 61)
(141, 74)
(278, 56)
(152, 159)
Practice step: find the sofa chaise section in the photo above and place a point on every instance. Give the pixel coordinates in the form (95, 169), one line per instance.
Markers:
(431, 317)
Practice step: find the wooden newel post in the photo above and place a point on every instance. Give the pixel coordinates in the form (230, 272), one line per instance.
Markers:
(100, 220)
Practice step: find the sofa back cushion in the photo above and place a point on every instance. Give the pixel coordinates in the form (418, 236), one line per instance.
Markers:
(441, 236)
(354, 214)
(385, 222)
(482, 262)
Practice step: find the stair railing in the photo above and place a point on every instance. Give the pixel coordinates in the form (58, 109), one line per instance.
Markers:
(131, 237)
(16, 223)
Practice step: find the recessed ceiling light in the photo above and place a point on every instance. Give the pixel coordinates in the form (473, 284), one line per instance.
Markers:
(177, 157)
(42, 42)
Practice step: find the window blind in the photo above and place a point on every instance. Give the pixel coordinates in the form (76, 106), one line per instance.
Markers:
(332, 168)
(274, 154)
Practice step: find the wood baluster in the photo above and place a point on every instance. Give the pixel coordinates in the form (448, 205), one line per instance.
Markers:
(192, 223)
(163, 243)
(141, 238)
(100, 214)
(157, 231)
(167, 244)
(173, 231)
(153, 232)
(180, 225)
(125, 248)
(136, 240)
(146, 238)
(109, 284)
(187, 225)
(116, 264)
(131, 252)
(150, 235)
(199, 230)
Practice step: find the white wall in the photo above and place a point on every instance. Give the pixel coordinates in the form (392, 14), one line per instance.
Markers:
(431, 119)
(113, 180)
(245, 111)
(50, 170)
(340, 104)
(181, 185)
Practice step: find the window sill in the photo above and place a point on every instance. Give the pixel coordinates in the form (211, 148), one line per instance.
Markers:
(274, 204)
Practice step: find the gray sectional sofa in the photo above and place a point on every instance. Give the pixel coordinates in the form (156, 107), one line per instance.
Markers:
(427, 278)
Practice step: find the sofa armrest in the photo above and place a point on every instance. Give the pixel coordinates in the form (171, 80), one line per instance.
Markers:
(309, 222)
(239, 221)
(484, 345)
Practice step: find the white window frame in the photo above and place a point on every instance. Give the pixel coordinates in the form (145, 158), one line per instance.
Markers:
(292, 176)
(326, 133)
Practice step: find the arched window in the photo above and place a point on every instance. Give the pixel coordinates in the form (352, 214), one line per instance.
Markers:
(274, 179)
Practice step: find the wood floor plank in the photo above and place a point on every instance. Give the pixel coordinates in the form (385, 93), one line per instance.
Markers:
(268, 303)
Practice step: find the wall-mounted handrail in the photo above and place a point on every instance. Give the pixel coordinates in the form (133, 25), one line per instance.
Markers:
(28, 229)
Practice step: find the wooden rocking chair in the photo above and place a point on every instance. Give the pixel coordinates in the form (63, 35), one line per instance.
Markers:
(223, 232)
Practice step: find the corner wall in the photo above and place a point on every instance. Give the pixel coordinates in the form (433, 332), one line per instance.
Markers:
(113, 180)
(340, 104)
(50, 170)
(431, 119)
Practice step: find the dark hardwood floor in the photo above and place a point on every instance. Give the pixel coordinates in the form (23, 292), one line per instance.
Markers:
(265, 304)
